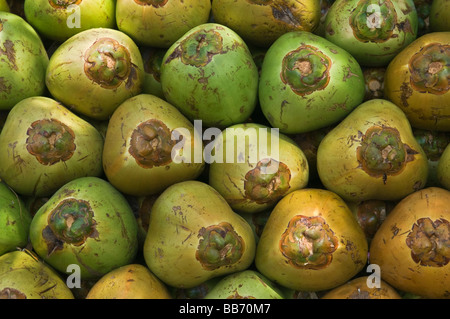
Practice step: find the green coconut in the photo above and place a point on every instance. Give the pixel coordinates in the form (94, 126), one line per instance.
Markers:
(23, 61)
(87, 223)
(308, 83)
(209, 75)
(261, 22)
(149, 146)
(159, 23)
(256, 167)
(94, 71)
(45, 146)
(25, 276)
(4, 6)
(372, 31)
(443, 168)
(194, 236)
(246, 284)
(15, 220)
(372, 154)
(60, 19)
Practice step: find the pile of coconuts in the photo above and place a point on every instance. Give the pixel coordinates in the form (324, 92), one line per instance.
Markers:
(214, 149)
